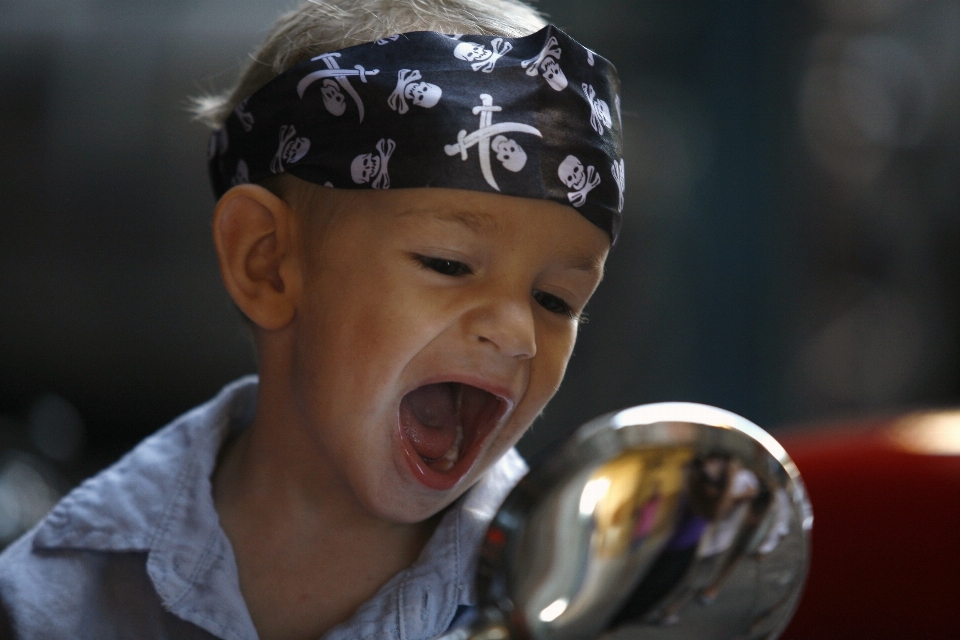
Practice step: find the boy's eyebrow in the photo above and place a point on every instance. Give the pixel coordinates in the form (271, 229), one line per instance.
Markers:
(590, 264)
(475, 221)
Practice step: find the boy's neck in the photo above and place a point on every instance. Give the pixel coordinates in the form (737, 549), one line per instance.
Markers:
(307, 552)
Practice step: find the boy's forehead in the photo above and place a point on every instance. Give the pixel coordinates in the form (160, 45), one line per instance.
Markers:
(502, 123)
(492, 217)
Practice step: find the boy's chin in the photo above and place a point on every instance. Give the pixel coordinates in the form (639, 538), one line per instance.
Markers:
(407, 502)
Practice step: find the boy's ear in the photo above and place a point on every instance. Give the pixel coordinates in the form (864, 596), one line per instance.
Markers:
(254, 233)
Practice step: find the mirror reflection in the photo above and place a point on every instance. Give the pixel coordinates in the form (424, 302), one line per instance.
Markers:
(689, 523)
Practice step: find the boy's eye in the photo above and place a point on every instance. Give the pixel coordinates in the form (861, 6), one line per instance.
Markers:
(553, 304)
(444, 266)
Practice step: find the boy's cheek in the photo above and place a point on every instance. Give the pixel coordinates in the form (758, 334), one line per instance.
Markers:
(546, 373)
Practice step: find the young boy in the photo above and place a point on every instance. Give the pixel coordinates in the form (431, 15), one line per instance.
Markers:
(412, 226)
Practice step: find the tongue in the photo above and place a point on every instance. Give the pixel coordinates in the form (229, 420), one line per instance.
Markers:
(430, 417)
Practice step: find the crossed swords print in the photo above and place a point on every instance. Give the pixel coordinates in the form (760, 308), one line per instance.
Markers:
(334, 71)
(481, 137)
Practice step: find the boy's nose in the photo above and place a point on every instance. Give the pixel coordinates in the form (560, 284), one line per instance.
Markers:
(507, 325)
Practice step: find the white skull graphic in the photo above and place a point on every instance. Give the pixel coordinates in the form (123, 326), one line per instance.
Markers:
(553, 74)
(423, 94)
(242, 176)
(471, 52)
(295, 150)
(571, 173)
(509, 153)
(603, 111)
(333, 99)
(245, 117)
(364, 167)
(291, 148)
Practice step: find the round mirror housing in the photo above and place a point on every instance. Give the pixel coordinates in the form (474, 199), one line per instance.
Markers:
(671, 520)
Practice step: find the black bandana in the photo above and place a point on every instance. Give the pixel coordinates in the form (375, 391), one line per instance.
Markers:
(537, 117)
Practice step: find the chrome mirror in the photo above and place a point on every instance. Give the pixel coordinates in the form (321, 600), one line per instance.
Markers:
(670, 520)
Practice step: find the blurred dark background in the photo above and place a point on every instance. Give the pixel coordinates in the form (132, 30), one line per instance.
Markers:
(791, 246)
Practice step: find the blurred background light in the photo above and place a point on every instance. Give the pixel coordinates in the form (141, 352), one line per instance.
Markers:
(56, 428)
(933, 433)
(27, 492)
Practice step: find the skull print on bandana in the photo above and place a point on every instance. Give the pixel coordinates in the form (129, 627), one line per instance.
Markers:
(424, 109)
(572, 173)
(370, 168)
(333, 98)
(244, 116)
(547, 62)
(483, 59)
(599, 110)
(291, 149)
(422, 94)
(243, 174)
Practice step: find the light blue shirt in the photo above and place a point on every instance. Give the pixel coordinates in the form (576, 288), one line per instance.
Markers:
(138, 552)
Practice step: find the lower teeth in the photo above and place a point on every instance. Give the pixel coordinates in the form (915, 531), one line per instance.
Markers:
(447, 460)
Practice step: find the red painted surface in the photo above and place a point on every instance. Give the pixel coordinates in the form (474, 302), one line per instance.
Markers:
(886, 537)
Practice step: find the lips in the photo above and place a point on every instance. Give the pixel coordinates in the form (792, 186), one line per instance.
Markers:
(443, 426)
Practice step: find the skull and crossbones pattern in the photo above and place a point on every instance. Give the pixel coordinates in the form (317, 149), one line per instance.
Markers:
(599, 110)
(332, 76)
(620, 178)
(422, 94)
(510, 154)
(244, 116)
(411, 101)
(481, 58)
(242, 176)
(291, 149)
(368, 167)
(581, 182)
(547, 63)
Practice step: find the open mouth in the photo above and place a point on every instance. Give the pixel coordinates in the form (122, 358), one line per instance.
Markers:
(443, 426)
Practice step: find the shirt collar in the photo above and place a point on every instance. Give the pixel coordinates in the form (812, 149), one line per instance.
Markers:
(158, 499)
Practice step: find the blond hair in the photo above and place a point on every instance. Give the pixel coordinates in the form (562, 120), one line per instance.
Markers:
(321, 26)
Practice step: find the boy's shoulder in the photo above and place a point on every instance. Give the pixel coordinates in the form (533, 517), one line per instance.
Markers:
(122, 551)
(73, 593)
(130, 505)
